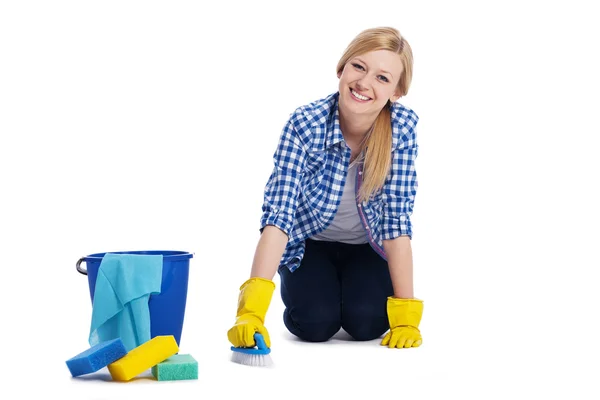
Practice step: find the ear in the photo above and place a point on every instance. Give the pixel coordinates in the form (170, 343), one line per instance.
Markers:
(339, 74)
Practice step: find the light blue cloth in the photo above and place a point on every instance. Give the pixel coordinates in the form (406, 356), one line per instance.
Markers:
(120, 306)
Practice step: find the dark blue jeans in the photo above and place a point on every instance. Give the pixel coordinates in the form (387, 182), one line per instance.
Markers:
(337, 285)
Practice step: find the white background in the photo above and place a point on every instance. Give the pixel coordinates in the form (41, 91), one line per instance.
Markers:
(151, 125)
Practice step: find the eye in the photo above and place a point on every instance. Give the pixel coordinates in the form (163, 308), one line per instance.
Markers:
(358, 66)
(383, 78)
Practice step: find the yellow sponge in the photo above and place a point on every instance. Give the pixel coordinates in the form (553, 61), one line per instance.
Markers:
(143, 357)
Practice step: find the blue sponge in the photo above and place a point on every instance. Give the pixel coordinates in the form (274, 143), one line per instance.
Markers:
(97, 357)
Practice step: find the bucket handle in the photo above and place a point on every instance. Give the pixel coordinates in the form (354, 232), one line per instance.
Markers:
(78, 266)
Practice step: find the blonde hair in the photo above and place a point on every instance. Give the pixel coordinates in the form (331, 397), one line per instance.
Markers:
(378, 157)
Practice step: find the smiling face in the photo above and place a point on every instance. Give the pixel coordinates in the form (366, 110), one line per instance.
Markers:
(368, 81)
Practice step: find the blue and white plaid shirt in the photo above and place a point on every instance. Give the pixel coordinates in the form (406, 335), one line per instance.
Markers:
(311, 163)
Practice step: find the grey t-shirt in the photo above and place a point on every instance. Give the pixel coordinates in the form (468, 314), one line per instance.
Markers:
(346, 226)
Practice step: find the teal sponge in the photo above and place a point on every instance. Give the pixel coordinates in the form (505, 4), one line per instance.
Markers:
(175, 368)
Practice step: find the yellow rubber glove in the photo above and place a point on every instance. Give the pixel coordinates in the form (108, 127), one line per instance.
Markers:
(404, 316)
(253, 303)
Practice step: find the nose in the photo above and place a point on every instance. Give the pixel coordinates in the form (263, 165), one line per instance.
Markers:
(364, 82)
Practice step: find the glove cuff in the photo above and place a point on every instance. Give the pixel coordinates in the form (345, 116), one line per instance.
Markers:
(404, 312)
(258, 282)
(255, 297)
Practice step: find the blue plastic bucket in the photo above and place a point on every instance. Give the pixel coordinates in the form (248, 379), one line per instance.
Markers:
(167, 309)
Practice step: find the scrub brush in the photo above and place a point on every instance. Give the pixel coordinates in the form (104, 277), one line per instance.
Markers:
(257, 356)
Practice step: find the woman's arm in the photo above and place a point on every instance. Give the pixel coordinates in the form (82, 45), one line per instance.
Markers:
(399, 256)
(280, 201)
(269, 250)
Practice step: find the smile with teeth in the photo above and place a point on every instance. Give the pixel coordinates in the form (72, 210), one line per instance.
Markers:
(359, 96)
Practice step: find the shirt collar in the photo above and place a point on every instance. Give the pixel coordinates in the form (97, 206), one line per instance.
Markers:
(326, 124)
(334, 133)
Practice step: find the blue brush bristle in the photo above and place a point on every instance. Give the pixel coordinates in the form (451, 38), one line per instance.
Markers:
(96, 357)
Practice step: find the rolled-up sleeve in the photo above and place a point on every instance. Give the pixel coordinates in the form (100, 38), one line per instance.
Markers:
(400, 190)
(281, 191)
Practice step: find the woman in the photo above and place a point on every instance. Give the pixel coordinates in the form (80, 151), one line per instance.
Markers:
(336, 213)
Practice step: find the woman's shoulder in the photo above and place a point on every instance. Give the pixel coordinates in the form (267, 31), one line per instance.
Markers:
(317, 111)
(404, 123)
(402, 114)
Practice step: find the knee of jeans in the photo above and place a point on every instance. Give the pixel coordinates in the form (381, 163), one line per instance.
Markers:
(364, 323)
(316, 326)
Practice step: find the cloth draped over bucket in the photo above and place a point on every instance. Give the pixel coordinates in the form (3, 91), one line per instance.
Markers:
(124, 285)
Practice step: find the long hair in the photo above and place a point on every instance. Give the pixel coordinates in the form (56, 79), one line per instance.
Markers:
(378, 156)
